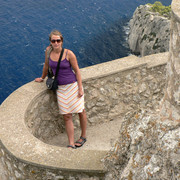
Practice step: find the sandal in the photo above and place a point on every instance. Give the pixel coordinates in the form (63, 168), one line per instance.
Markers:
(81, 143)
(72, 147)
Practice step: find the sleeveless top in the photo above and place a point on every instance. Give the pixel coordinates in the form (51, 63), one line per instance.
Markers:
(65, 74)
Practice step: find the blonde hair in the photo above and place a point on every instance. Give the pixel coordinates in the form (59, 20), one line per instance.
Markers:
(57, 33)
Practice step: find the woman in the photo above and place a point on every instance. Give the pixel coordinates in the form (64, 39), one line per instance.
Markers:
(70, 93)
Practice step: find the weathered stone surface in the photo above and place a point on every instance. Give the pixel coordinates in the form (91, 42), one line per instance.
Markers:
(12, 168)
(149, 142)
(170, 106)
(146, 149)
(149, 32)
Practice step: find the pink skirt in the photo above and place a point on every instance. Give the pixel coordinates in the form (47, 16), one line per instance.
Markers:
(68, 100)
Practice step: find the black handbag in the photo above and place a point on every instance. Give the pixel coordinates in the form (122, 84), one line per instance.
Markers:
(52, 82)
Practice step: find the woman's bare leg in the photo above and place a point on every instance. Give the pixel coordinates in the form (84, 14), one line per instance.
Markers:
(83, 124)
(69, 128)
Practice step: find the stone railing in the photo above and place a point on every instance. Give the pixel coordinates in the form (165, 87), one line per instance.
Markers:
(111, 90)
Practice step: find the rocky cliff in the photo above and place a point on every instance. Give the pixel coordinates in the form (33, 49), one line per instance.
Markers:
(149, 143)
(149, 32)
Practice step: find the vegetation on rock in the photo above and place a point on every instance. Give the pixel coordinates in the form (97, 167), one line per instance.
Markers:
(161, 9)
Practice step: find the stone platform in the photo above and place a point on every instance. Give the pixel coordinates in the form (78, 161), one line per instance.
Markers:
(31, 143)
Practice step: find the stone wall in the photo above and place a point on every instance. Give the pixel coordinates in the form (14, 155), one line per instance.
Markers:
(13, 168)
(107, 97)
(111, 90)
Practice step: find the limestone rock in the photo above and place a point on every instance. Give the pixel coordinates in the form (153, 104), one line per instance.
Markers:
(149, 32)
(146, 149)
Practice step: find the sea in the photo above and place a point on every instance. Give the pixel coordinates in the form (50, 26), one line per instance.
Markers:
(95, 30)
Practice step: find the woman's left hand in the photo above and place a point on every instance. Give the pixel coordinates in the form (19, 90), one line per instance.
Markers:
(80, 93)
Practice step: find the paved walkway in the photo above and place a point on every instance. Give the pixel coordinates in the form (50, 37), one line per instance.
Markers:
(99, 137)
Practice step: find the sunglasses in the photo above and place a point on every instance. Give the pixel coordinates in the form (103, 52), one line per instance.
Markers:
(56, 40)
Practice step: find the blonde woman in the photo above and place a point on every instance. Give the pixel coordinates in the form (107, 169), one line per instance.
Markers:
(70, 94)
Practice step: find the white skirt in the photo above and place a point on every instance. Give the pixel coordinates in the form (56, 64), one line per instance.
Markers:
(68, 100)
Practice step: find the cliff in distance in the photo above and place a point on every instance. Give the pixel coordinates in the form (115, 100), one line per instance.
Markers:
(149, 32)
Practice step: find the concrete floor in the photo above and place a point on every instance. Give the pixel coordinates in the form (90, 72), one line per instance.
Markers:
(99, 137)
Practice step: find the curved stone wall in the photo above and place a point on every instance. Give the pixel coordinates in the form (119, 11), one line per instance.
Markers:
(111, 90)
(42, 116)
(22, 156)
(30, 114)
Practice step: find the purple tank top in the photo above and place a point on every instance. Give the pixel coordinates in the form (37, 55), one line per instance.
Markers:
(65, 74)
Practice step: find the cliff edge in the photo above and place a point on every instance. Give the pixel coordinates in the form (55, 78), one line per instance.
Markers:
(149, 32)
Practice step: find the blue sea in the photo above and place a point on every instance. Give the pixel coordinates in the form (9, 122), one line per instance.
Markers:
(95, 30)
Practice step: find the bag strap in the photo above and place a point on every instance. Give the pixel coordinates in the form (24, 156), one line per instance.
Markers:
(58, 65)
(50, 74)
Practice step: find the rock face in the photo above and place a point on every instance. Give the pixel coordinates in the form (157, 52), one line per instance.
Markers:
(146, 149)
(149, 142)
(149, 32)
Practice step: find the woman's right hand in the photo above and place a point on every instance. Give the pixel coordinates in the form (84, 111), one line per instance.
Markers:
(39, 80)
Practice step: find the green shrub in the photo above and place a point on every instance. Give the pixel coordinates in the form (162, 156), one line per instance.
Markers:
(161, 9)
